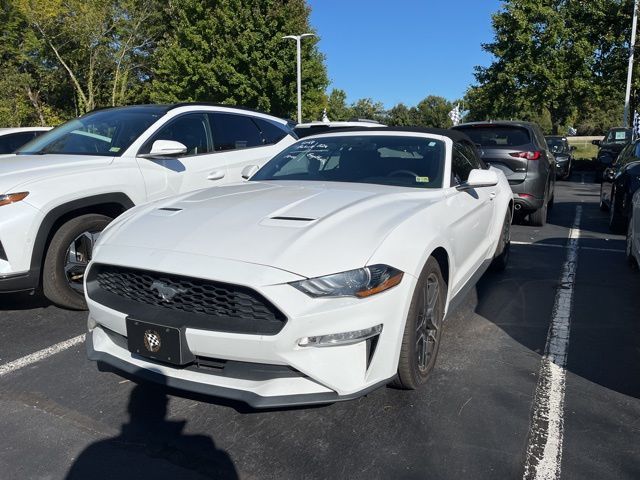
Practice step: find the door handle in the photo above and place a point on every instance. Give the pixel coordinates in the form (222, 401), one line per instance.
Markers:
(492, 195)
(216, 175)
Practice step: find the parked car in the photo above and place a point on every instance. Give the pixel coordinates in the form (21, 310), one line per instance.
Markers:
(326, 275)
(520, 150)
(633, 232)
(11, 139)
(562, 152)
(620, 181)
(314, 128)
(59, 191)
(610, 147)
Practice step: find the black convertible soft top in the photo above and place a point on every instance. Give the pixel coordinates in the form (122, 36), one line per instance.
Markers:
(452, 134)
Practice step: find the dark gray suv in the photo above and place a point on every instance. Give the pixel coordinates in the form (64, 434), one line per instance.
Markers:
(520, 150)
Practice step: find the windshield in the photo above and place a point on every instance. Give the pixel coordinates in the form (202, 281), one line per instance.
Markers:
(619, 136)
(379, 159)
(557, 145)
(497, 136)
(106, 133)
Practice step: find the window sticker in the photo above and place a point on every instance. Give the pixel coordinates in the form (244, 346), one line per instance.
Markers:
(114, 149)
(621, 135)
(422, 179)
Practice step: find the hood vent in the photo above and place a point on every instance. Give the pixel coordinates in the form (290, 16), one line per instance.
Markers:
(294, 219)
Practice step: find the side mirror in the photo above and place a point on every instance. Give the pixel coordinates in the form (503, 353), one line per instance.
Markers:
(573, 148)
(479, 178)
(249, 171)
(596, 142)
(165, 148)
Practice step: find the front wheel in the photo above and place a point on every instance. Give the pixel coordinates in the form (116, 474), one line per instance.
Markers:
(67, 257)
(616, 220)
(501, 257)
(631, 259)
(423, 329)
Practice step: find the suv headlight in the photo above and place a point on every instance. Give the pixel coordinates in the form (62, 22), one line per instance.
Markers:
(12, 198)
(361, 283)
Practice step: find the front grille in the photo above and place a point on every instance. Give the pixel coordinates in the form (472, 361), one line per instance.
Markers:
(219, 303)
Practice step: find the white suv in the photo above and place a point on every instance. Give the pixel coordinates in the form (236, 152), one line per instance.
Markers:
(58, 192)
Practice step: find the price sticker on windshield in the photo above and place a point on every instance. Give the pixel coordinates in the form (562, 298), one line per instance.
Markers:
(422, 179)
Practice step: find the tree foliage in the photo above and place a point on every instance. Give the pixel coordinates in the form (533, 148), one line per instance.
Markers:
(62, 58)
(232, 51)
(555, 61)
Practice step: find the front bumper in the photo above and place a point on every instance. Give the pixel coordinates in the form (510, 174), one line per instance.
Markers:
(323, 374)
(200, 384)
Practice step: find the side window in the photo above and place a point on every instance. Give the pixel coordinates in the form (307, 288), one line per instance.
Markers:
(271, 133)
(461, 166)
(233, 132)
(13, 141)
(191, 130)
(636, 152)
(471, 153)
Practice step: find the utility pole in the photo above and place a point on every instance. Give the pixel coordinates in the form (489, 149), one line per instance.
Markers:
(632, 47)
(297, 38)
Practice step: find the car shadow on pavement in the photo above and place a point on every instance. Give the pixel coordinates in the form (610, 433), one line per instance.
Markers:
(605, 331)
(151, 446)
(23, 301)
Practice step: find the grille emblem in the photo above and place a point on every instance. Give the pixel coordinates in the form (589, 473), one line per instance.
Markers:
(166, 292)
(152, 341)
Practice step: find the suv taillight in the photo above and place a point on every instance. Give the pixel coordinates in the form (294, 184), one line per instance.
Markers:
(528, 155)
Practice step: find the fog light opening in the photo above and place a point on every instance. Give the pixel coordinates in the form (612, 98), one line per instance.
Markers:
(335, 339)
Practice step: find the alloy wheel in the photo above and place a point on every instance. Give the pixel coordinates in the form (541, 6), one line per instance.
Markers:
(77, 258)
(428, 324)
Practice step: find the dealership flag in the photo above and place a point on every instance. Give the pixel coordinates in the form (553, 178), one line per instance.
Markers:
(636, 125)
(455, 115)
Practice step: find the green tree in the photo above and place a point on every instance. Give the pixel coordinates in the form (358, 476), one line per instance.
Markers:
(337, 108)
(100, 47)
(368, 109)
(553, 59)
(401, 116)
(433, 111)
(232, 51)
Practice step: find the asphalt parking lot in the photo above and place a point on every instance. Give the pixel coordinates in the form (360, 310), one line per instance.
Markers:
(62, 418)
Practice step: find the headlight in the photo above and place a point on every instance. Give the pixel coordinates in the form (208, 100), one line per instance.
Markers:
(360, 283)
(12, 198)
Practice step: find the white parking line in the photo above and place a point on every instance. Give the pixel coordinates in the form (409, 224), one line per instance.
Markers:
(552, 245)
(40, 355)
(544, 449)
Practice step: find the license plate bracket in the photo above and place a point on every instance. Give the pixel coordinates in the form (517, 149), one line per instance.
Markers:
(162, 343)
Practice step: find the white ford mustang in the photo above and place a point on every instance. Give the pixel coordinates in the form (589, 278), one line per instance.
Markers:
(329, 273)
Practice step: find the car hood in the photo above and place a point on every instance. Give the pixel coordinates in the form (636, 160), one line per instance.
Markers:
(17, 170)
(306, 228)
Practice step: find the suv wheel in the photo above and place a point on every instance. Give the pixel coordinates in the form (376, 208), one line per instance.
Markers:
(67, 258)
(539, 217)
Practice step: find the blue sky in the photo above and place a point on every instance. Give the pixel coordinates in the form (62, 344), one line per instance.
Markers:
(403, 50)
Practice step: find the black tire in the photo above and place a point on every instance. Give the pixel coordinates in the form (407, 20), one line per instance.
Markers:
(55, 284)
(616, 220)
(501, 257)
(631, 259)
(539, 217)
(413, 372)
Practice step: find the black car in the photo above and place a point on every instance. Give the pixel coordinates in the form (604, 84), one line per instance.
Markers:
(520, 150)
(610, 147)
(561, 150)
(619, 182)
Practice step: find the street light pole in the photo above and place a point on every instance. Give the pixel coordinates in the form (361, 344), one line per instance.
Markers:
(627, 97)
(297, 38)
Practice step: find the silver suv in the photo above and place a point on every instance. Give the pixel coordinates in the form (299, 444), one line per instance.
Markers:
(520, 150)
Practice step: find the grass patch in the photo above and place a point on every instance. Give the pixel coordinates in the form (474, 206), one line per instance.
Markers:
(585, 150)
